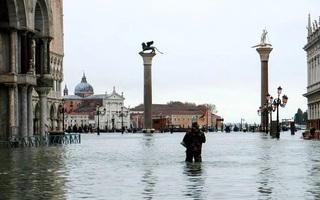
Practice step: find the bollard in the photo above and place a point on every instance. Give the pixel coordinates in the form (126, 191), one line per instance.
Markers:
(292, 128)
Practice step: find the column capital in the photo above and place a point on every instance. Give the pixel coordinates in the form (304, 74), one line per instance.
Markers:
(11, 85)
(43, 91)
(264, 53)
(147, 57)
(23, 87)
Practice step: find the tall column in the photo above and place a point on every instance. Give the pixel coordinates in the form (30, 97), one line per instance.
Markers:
(30, 111)
(147, 62)
(24, 110)
(264, 52)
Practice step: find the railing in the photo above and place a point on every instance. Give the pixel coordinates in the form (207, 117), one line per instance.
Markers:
(38, 140)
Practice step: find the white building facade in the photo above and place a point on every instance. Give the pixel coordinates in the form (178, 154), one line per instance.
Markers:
(86, 109)
(313, 70)
(115, 115)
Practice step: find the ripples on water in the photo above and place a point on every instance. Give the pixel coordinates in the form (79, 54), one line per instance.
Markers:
(139, 166)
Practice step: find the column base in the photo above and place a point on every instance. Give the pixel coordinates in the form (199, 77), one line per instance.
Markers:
(148, 130)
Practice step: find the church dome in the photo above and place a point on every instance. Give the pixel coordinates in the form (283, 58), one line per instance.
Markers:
(83, 89)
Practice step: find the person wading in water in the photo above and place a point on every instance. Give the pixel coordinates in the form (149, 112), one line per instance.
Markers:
(193, 140)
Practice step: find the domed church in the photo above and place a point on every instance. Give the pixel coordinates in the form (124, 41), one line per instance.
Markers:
(83, 108)
(83, 89)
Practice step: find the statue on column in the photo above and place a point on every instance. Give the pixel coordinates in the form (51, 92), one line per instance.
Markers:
(263, 40)
(146, 47)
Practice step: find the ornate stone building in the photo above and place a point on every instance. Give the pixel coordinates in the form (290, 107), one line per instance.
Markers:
(313, 70)
(80, 108)
(31, 66)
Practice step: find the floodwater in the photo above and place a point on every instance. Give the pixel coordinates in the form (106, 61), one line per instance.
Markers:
(139, 166)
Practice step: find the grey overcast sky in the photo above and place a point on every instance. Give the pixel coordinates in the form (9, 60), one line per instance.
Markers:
(207, 50)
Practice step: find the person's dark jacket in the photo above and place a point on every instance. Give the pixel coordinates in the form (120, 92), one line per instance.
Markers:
(193, 140)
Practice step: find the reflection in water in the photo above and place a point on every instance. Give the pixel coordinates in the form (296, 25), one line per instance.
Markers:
(148, 140)
(195, 176)
(32, 173)
(148, 179)
(140, 166)
(265, 172)
(313, 166)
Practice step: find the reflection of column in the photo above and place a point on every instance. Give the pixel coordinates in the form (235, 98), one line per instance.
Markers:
(264, 52)
(147, 62)
(24, 110)
(30, 112)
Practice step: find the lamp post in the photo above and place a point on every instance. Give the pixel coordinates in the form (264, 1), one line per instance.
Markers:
(266, 109)
(160, 116)
(98, 113)
(62, 110)
(112, 120)
(122, 114)
(278, 102)
(107, 124)
(241, 124)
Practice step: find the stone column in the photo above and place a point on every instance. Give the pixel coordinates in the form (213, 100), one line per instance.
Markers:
(13, 49)
(43, 93)
(24, 52)
(147, 62)
(59, 122)
(46, 55)
(30, 111)
(12, 110)
(264, 53)
(24, 110)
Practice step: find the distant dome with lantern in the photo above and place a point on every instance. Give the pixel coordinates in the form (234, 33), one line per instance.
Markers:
(83, 89)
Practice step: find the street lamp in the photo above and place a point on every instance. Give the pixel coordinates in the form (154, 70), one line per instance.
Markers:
(266, 109)
(278, 102)
(160, 116)
(62, 110)
(98, 113)
(112, 121)
(122, 114)
(241, 124)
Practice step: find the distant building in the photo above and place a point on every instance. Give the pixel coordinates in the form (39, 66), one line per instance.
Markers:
(176, 116)
(313, 70)
(81, 108)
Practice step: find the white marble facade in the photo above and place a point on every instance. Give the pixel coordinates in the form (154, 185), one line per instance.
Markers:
(313, 72)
